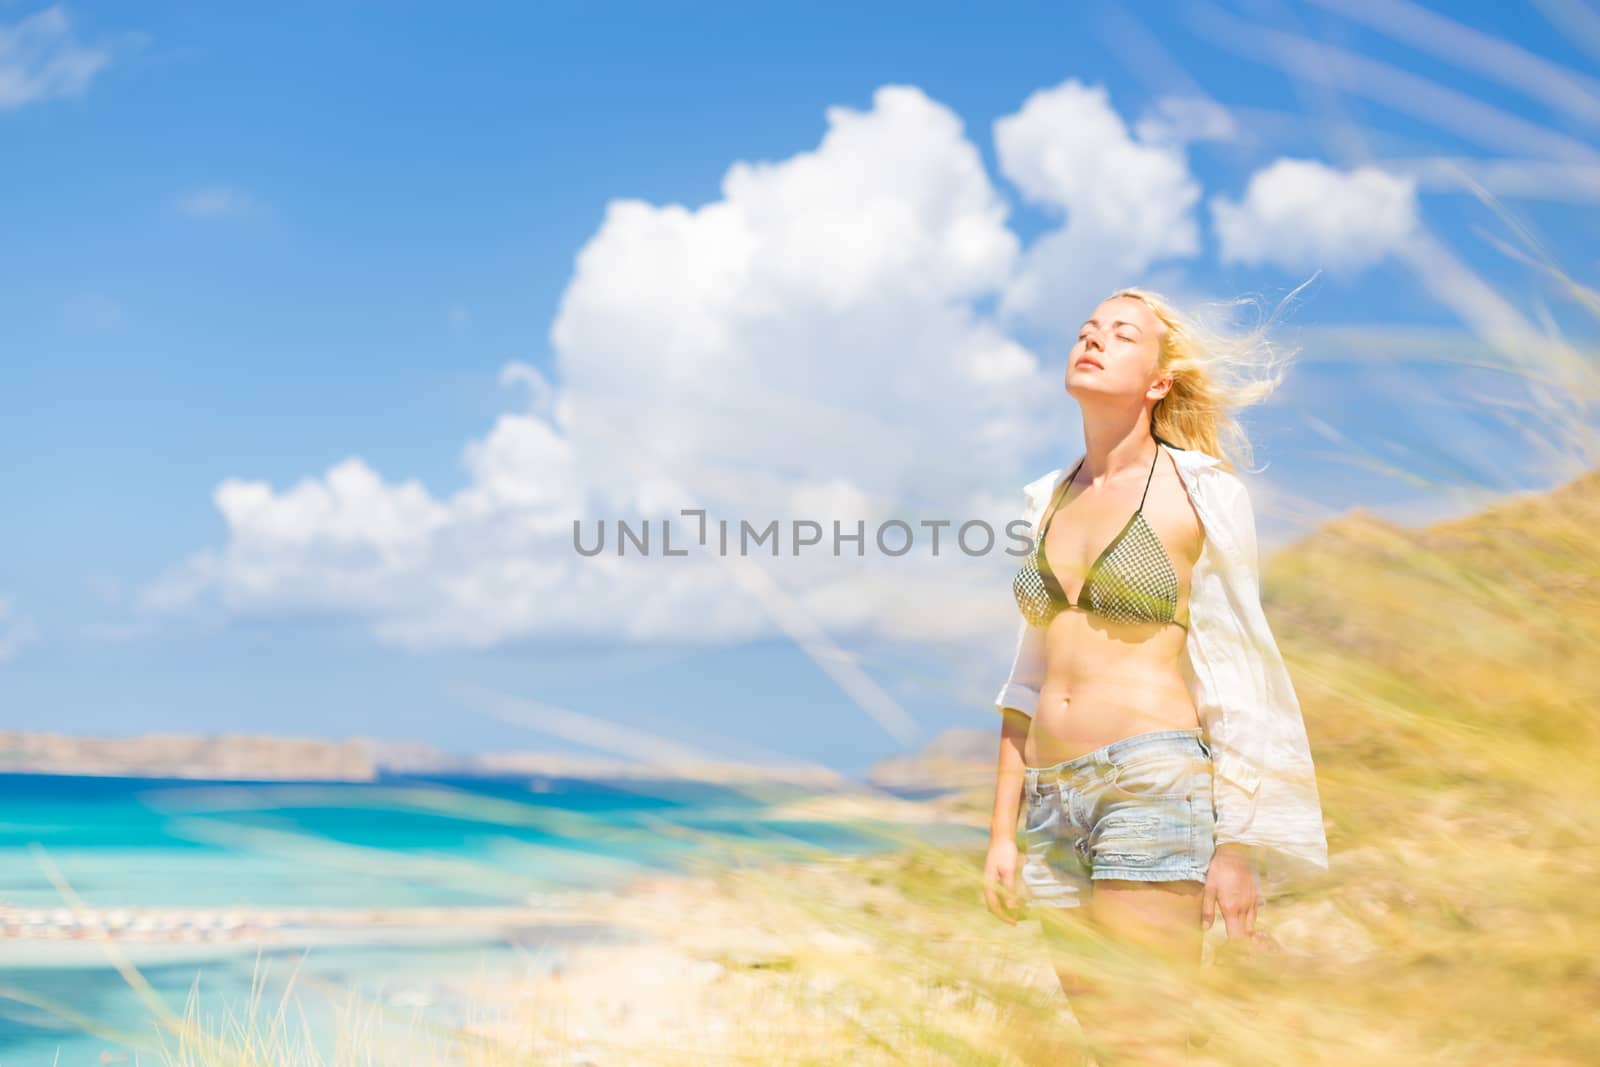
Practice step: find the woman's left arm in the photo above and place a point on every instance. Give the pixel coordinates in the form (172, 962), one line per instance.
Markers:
(1268, 811)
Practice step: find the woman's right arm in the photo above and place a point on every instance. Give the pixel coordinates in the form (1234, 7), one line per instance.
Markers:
(1000, 866)
(1016, 703)
(1008, 787)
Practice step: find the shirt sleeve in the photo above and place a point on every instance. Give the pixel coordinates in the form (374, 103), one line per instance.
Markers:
(1021, 689)
(1238, 778)
(1264, 788)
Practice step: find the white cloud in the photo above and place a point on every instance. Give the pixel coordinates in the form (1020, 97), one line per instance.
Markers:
(1180, 120)
(40, 58)
(1302, 214)
(1128, 204)
(810, 345)
(217, 202)
(806, 346)
(15, 630)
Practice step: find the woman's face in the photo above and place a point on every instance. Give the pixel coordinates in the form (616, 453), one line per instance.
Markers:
(1117, 352)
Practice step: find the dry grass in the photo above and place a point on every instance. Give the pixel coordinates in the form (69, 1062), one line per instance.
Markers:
(1450, 691)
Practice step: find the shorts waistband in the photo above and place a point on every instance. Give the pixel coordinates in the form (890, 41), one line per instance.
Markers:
(1103, 755)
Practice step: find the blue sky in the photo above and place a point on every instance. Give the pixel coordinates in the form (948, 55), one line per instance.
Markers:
(245, 247)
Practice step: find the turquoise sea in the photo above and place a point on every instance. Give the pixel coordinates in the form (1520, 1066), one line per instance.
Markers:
(402, 841)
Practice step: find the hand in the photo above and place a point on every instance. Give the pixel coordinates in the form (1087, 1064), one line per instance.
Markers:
(1231, 885)
(1000, 880)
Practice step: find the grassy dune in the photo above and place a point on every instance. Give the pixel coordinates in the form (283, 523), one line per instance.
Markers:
(1448, 680)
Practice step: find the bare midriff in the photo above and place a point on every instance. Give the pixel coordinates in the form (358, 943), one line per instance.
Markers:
(1105, 681)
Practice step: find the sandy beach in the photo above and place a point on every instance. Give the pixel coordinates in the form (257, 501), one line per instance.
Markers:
(728, 967)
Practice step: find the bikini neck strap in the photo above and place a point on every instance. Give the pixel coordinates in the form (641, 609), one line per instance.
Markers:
(1151, 475)
(1061, 491)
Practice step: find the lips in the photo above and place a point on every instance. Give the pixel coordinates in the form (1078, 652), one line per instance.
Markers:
(1087, 361)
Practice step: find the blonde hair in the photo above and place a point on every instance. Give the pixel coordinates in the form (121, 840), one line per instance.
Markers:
(1214, 374)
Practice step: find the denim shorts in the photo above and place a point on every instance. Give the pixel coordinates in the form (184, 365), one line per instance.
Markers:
(1139, 808)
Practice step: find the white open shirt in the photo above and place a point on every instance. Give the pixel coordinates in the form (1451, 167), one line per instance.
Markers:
(1264, 789)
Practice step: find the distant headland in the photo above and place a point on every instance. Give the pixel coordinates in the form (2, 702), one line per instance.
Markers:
(256, 757)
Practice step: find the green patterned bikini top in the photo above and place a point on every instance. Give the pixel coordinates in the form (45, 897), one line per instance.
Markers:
(1132, 580)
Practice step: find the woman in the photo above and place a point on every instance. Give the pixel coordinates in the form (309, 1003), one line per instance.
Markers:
(1151, 736)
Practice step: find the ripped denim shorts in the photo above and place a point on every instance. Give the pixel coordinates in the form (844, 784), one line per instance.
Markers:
(1139, 808)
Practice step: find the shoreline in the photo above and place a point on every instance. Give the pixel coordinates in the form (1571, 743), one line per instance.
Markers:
(38, 935)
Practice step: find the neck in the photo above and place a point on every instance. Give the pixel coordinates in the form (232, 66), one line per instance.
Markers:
(1110, 449)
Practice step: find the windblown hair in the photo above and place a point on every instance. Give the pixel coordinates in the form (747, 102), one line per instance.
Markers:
(1215, 373)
